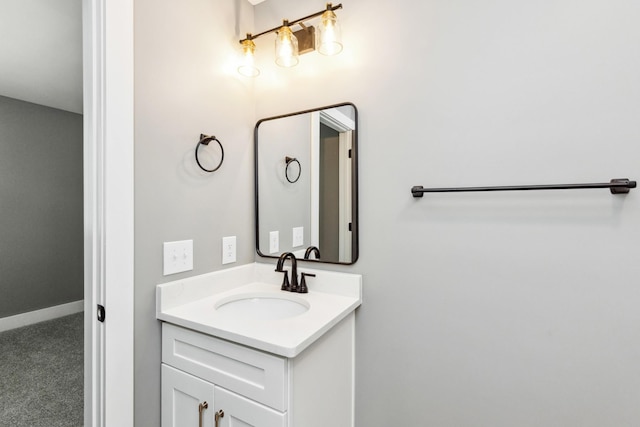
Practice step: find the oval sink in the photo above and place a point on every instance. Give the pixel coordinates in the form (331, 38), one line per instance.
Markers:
(262, 306)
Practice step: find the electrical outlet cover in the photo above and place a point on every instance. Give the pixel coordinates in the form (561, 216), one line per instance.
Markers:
(274, 242)
(298, 236)
(228, 249)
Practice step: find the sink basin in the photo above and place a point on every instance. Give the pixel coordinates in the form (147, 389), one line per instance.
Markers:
(262, 306)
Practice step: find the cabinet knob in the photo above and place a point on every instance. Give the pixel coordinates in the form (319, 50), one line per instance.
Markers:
(219, 414)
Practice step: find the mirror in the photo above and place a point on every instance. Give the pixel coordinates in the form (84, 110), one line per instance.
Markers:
(306, 171)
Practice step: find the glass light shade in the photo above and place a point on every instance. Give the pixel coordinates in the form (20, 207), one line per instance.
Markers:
(329, 40)
(286, 48)
(247, 65)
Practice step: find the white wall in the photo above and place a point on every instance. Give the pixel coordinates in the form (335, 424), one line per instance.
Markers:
(512, 309)
(186, 84)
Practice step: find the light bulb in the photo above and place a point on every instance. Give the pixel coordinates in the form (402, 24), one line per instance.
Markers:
(286, 47)
(247, 65)
(329, 40)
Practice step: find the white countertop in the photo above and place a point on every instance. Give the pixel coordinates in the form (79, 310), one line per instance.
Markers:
(192, 303)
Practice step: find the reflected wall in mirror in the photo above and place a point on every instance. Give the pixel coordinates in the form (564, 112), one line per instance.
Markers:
(306, 171)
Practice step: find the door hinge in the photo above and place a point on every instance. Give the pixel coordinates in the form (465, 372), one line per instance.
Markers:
(350, 227)
(101, 313)
(349, 152)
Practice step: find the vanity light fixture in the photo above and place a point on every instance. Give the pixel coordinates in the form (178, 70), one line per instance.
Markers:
(247, 66)
(289, 44)
(329, 39)
(286, 46)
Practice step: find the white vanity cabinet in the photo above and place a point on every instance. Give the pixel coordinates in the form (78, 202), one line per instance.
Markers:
(190, 401)
(254, 388)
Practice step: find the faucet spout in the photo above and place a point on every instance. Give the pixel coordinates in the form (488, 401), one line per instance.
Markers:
(312, 250)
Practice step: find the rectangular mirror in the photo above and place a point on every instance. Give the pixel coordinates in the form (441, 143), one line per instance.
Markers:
(306, 172)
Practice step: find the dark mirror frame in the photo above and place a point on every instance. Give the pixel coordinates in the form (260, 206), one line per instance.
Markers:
(354, 184)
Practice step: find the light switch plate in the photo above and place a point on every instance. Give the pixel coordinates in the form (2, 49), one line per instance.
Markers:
(228, 249)
(178, 257)
(274, 242)
(298, 236)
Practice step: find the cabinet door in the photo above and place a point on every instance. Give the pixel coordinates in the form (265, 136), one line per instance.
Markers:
(242, 412)
(182, 397)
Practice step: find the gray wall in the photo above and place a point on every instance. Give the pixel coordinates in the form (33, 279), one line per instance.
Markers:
(329, 193)
(284, 205)
(41, 248)
(186, 84)
(512, 309)
(479, 309)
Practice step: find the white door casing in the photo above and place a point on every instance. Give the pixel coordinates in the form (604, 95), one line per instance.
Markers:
(108, 210)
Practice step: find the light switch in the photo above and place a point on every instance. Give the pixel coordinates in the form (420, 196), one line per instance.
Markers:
(274, 242)
(228, 249)
(178, 257)
(298, 236)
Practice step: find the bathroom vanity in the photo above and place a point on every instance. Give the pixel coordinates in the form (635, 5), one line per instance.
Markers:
(238, 351)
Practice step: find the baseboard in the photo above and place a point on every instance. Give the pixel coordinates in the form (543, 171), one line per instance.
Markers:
(31, 317)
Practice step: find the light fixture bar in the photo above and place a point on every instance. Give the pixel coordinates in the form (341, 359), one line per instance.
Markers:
(297, 21)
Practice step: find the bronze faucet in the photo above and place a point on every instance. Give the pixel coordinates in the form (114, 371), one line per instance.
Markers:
(293, 286)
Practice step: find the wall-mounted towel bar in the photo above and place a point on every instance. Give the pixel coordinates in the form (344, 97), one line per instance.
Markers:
(617, 186)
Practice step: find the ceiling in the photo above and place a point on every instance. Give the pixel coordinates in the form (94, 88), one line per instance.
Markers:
(41, 52)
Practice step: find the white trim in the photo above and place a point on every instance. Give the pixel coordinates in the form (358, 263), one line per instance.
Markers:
(345, 209)
(315, 179)
(118, 206)
(108, 211)
(37, 316)
(93, 41)
(337, 120)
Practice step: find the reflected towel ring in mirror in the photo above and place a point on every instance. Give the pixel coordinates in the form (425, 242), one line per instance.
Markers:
(289, 161)
(205, 140)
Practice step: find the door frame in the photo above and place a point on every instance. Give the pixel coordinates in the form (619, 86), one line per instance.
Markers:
(335, 119)
(108, 211)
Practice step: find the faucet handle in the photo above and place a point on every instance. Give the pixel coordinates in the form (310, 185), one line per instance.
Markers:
(285, 281)
(303, 289)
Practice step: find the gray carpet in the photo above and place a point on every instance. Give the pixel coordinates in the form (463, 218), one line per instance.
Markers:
(41, 374)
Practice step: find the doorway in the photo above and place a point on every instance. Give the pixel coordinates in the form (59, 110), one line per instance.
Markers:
(107, 94)
(41, 205)
(331, 185)
(41, 263)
